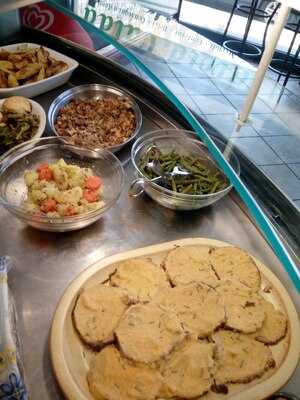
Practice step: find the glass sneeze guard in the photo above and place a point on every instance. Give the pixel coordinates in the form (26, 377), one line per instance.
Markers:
(135, 32)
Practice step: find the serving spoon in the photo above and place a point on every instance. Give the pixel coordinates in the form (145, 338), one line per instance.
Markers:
(137, 186)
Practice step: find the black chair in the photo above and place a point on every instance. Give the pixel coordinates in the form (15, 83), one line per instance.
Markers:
(241, 47)
(288, 66)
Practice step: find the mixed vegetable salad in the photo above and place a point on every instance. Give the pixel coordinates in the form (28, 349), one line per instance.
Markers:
(61, 189)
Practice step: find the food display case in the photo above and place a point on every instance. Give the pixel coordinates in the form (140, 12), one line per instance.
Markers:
(254, 216)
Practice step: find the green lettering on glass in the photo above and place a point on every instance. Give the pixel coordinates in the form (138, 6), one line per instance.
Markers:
(124, 30)
(104, 19)
(152, 44)
(89, 11)
(119, 28)
(132, 29)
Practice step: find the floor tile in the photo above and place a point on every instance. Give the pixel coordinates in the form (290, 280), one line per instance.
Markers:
(269, 86)
(182, 56)
(186, 99)
(296, 169)
(269, 125)
(148, 79)
(195, 86)
(297, 204)
(292, 121)
(222, 70)
(245, 73)
(238, 102)
(283, 177)
(187, 70)
(287, 147)
(294, 97)
(282, 104)
(227, 86)
(225, 124)
(293, 86)
(174, 85)
(160, 69)
(272, 75)
(145, 57)
(214, 104)
(257, 150)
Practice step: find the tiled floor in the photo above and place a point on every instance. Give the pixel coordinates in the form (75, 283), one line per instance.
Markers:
(271, 138)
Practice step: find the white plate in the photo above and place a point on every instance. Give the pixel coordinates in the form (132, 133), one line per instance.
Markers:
(70, 358)
(37, 110)
(36, 88)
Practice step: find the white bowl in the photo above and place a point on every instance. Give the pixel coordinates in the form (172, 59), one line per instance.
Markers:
(36, 88)
(37, 110)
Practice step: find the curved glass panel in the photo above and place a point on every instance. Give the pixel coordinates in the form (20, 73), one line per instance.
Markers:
(162, 49)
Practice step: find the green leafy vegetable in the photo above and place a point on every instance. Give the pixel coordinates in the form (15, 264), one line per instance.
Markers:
(17, 128)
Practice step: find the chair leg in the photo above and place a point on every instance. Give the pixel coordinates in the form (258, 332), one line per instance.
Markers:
(230, 18)
(268, 25)
(249, 22)
(176, 16)
(287, 54)
(295, 58)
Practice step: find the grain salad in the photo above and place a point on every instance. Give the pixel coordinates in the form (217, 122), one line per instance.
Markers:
(97, 123)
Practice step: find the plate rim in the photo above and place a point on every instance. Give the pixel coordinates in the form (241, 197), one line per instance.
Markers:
(261, 391)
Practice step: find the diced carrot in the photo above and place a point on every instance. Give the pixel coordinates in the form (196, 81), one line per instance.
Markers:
(70, 211)
(93, 182)
(48, 205)
(46, 174)
(42, 166)
(90, 195)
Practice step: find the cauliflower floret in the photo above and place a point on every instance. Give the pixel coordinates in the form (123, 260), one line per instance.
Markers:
(94, 206)
(61, 164)
(75, 176)
(51, 190)
(71, 196)
(62, 209)
(60, 176)
(79, 209)
(30, 177)
(37, 196)
(31, 207)
(53, 214)
(39, 185)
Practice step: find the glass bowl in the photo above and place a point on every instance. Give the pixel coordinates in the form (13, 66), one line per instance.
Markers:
(185, 143)
(29, 155)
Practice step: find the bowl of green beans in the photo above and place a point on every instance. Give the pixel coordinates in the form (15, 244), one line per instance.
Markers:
(176, 170)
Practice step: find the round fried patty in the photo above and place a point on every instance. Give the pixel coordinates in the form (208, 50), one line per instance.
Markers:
(146, 332)
(113, 377)
(97, 313)
(140, 278)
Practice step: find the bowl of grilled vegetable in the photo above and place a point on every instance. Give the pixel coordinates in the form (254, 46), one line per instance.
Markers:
(176, 170)
(27, 69)
(21, 119)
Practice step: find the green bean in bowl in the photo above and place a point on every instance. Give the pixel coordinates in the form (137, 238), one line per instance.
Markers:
(177, 171)
(200, 179)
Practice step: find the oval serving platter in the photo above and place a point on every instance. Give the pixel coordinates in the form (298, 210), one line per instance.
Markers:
(70, 358)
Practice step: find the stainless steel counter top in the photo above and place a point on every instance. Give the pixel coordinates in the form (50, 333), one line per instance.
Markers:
(44, 263)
